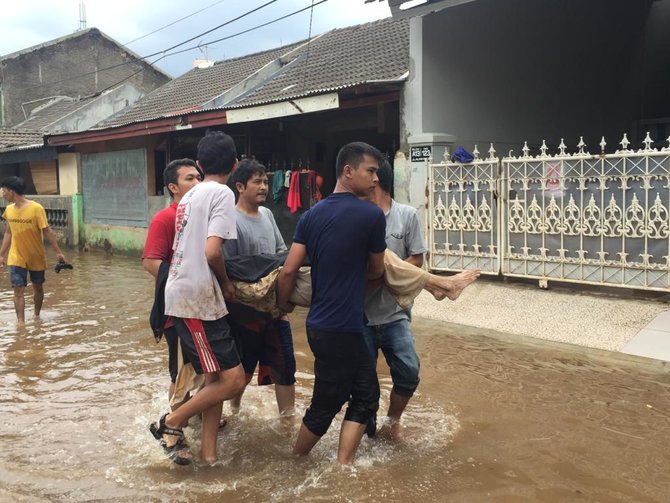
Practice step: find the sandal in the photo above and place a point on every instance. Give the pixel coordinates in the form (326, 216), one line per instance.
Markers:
(179, 452)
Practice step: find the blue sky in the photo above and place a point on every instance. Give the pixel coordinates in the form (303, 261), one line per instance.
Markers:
(32, 22)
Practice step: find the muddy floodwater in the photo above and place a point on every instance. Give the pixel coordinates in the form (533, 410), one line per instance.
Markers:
(496, 419)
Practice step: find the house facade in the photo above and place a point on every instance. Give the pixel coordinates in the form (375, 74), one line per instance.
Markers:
(565, 105)
(291, 108)
(64, 85)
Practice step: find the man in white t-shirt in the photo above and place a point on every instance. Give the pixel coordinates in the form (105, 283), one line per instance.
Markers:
(195, 294)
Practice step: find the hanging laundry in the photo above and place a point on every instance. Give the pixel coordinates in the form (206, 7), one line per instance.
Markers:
(293, 199)
(310, 187)
(287, 178)
(319, 184)
(277, 185)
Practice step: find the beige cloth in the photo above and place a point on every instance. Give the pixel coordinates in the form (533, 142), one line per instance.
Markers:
(262, 295)
(404, 280)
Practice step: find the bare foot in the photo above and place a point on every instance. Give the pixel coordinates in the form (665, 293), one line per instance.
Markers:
(451, 287)
(391, 430)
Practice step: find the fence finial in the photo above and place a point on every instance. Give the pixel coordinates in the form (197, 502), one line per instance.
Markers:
(603, 144)
(475, 153)
(562, 147)
(624, 142)
(543, 148)
(668, 140)
(647, 142)
(581, 145)
(492, 151)
(525, 149)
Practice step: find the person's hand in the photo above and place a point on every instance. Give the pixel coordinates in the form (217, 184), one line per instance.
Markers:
(2, 261)
(228, 290)
(60, 257)
(287, 307)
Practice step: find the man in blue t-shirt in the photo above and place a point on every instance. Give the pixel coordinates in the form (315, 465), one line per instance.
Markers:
(344, 238)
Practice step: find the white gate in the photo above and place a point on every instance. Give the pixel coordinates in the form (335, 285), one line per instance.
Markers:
(595, 219)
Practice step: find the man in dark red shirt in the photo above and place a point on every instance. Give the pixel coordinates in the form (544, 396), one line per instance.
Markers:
(180, 175)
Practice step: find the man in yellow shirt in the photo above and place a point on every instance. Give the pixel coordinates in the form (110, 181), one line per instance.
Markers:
(25, 231)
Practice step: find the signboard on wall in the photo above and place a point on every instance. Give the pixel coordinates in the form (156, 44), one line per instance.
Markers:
(419, 153)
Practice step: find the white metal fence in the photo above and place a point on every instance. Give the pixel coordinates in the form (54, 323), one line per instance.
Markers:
(598, 219)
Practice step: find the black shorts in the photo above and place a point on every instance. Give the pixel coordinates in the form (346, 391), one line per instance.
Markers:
(263, 342)
(343, 371)
(208, 345)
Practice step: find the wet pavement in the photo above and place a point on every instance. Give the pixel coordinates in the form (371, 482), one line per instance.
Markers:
(496, 417)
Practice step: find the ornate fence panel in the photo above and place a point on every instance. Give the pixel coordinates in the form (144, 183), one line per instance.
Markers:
(463, 216)
(598, 219)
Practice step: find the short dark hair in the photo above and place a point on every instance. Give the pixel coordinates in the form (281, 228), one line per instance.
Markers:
(245, 170)
(171, 172)
(352, 154)
(15, 183)
(217, 154)
(385, 175)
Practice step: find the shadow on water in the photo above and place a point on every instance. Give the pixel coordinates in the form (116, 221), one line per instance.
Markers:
(494, 419)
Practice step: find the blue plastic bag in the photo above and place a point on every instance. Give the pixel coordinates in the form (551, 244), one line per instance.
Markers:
(461, 155)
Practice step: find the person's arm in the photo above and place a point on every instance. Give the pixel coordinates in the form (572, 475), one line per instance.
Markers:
(214, 255)
(415, 260)
(415, 246)
(289, 275)
(6, 241)
(152, 265)
(375, 266)
(53, 241)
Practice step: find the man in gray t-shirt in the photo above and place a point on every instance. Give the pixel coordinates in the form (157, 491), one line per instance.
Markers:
(266, 342)
(388, 325)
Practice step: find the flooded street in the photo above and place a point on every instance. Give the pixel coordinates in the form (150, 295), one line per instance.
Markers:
(494, 419)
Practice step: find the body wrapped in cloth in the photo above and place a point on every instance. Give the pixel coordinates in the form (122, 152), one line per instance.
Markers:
(255, 280)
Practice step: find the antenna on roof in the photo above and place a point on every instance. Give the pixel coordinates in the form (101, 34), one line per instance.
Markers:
(82, 16)
(203, 49)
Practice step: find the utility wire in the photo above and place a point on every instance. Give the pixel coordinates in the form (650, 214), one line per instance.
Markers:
(163, 52)
(215, 28)
(245, 31)
(309, 44)
(174, 22)
(311, 7)
(164, 55)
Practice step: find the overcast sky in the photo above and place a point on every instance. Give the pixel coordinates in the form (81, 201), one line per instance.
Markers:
(25, 23)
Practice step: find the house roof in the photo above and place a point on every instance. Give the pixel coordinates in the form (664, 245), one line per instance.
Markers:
(78, 34)
(16, 139)
(42, 117)
(197, 86)
(370, 53)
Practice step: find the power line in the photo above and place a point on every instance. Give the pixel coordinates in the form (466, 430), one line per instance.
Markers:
(155, 53)
(174, 22)
(311, 7)
(163, 55)
(245, 31)
(215, 28)
(309, 44)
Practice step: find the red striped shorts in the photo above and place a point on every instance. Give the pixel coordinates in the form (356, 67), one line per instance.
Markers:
(208, 345)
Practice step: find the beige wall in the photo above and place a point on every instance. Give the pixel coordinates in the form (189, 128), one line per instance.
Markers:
(68, 173)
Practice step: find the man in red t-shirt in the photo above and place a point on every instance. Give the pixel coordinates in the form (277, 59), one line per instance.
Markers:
(179, 176)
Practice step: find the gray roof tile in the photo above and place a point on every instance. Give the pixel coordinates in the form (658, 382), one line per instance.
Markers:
(341, 58)
(16, 139)
(42, 117)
